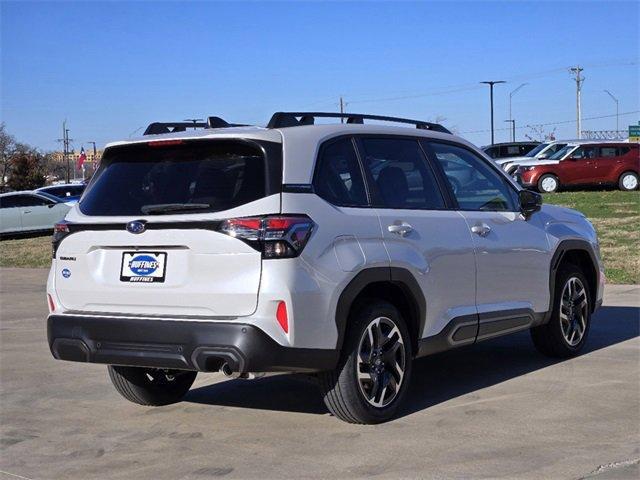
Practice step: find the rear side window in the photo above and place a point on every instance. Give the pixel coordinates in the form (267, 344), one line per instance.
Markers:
(10, 201)
(339, 179)
(608, 152)
(401, 177)
(190, 177)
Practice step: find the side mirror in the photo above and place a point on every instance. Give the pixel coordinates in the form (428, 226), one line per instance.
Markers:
(51, 205)
(544, 156)
(530, 202)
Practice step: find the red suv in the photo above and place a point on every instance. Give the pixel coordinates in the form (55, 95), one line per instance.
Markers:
(584, 163)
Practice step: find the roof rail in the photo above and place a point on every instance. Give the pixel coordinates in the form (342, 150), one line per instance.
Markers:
(169, 127)
(294, 119)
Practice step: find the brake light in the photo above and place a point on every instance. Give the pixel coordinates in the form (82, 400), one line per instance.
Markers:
(275, 236)
(60, 230)
(164, 143)
(282, 317)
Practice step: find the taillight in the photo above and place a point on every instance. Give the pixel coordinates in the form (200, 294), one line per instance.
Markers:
(275, 236)
(60, 230)
(52, 305)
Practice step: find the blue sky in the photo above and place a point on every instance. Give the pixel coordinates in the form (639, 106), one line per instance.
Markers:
(111, 68)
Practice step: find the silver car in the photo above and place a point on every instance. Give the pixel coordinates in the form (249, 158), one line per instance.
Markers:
(25, 212)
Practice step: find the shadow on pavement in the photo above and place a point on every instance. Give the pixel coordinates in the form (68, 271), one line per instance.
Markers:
(435, 379)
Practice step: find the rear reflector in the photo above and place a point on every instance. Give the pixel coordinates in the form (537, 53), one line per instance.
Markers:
(52, 306)
(281, 316)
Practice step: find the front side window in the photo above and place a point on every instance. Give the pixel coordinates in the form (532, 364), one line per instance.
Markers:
(475, 185)
(400, 174)
(585, 153)
(186, 177)
(563, 152)
(339, 179)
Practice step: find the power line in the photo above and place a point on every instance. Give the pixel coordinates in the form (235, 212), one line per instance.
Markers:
(555, 123)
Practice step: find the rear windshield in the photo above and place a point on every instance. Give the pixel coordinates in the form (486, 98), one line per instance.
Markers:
(189, 177)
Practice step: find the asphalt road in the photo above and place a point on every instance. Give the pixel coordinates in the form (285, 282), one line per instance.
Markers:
(494, 410)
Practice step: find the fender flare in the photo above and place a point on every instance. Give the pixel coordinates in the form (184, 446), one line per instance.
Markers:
(401, 277)
(563, 247)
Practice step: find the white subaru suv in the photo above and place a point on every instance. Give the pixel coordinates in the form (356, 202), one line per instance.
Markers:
(344, 250)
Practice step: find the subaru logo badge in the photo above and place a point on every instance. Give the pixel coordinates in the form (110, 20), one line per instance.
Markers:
(137, 226)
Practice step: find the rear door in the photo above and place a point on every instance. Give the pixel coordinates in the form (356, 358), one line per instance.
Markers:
(173, 259)
(512, 253)
(420, 232)
(608, 162)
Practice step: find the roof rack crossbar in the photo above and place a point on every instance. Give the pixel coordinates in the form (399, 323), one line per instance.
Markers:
(292, 119)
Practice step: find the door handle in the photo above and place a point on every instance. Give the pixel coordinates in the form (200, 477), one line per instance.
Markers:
(26, 211)
(402, 229)
(482, 230)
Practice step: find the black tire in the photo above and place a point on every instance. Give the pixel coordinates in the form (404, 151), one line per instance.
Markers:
(548, 176)
(550, 338)
(626, 176)
(342, 391)
(151, 386)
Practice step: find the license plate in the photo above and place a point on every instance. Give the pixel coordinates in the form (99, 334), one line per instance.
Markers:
(143, 267)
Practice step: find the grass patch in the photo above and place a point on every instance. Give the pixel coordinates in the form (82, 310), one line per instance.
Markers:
(615, 214)
(616, 217)
(34, 252)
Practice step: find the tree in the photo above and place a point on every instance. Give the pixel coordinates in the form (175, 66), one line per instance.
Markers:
(537, 133)
(7, 150)
(27, 169)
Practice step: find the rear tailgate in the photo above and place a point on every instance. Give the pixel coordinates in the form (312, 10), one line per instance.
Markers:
(195, 272)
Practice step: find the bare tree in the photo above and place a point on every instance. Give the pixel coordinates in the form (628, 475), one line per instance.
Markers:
(537, 133)
(7, 150)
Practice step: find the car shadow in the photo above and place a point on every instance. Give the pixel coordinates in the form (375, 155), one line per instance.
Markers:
(435, 379)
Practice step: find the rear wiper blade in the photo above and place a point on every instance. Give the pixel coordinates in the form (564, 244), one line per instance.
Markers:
(172, 207)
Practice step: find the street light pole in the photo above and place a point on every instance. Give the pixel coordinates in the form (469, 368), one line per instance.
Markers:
(511, 94)
(513, 128)
(491, 83)
(617, 111)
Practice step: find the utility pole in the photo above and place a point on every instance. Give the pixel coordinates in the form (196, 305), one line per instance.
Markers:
(341, 109)
(617, 112)
(194, 121)
(65, 149)
(578, 79)
(511, 94)
(513, 129)
(491, 83)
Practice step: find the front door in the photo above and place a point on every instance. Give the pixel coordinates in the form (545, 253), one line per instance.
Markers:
(421, 234)
(580, 167)
(512, 253)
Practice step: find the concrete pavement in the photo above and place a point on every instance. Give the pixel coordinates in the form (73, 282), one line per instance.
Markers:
(494, 410)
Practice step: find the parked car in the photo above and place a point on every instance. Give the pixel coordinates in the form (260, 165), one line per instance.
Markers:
(29, 212)
(510, 149)
(341, 250)
(70, 192)
(541, 152)
(584, 164)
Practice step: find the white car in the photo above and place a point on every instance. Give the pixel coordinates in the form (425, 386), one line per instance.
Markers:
(342, 250)
(541, 152)
(29, 212)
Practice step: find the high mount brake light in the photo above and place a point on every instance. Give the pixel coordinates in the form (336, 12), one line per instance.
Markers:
(164, 143)
(275, 236)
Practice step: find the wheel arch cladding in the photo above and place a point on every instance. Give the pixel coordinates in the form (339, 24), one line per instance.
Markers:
(396, 285)
(579, 253)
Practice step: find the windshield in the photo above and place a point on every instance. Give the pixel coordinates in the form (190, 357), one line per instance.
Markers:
(560, 154)
(48, 196)
(187, 177)
(537, 150)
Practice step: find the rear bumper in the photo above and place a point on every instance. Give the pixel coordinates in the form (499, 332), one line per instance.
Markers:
(202, 346)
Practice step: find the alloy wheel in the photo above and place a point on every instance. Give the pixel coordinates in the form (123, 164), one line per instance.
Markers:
(574, 311)
(630, 182)
(381, 362)
(549, 184)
